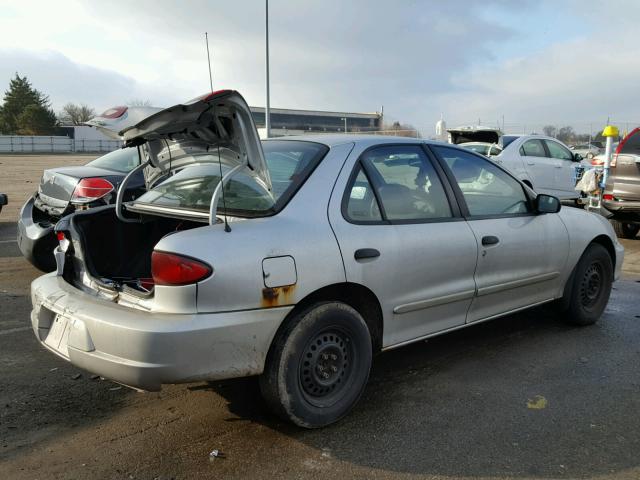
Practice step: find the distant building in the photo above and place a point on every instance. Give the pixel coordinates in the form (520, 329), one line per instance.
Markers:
(295, 122)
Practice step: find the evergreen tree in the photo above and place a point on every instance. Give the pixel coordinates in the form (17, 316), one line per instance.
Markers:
(40, 120)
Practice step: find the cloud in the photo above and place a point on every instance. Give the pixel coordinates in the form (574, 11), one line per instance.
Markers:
(533, 61)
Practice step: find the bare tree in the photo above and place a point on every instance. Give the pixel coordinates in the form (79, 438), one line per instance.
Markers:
(550, 130)
(138, 102)
(566, 134)
(74, 114)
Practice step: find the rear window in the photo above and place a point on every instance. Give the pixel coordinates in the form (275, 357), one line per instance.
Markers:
(289, 164)
(123, 160)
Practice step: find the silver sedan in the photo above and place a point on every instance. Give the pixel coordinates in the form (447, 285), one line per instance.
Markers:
(298, 259)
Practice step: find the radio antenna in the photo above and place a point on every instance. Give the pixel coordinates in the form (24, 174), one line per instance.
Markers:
(206, 39)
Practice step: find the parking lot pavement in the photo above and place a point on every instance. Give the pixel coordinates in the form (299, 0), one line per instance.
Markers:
(523, 397)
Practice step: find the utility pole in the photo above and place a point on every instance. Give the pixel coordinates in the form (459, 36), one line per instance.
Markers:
(267, 111)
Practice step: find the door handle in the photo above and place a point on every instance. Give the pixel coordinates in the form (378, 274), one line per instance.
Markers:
(364, 253)
(530, 163)
(490, 240)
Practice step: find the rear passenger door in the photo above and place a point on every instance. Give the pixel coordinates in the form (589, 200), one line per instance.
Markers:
(402, 236)
(564, 175)
(539, 166)
(520, 253)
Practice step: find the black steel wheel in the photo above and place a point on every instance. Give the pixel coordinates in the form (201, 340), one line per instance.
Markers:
(318, 365)
(591, 286)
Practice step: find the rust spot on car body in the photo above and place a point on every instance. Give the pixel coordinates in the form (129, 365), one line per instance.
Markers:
(278, 296)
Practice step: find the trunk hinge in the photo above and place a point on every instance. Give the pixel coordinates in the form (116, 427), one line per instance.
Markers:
(213, 208)
(122, 189)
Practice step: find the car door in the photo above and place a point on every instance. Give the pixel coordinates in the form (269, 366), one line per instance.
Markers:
(401, 236)
(520, 253)
(564, 177)
(539, 167)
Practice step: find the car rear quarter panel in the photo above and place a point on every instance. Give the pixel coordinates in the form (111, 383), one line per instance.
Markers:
(301, 231)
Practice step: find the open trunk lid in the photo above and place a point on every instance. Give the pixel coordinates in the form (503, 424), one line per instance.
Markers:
(172, 138)
(473, 133)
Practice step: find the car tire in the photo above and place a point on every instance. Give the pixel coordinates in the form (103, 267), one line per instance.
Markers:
(590, 287)
(318, 365)
(625, 230)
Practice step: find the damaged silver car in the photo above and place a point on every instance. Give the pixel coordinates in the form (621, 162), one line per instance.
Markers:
(298, 259)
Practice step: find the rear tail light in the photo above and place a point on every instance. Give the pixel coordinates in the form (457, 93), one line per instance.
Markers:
(172, 269)
(608, 197)
(90, 189)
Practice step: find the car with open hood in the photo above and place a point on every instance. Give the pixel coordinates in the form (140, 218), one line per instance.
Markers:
(297, 259)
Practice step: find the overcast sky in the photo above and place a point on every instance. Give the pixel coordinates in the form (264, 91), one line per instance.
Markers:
(535, 62)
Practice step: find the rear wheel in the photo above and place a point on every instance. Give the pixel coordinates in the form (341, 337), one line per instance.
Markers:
(318, 365)
(625, 230)
(590, 286)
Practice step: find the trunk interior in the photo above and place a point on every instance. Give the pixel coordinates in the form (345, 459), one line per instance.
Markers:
(118, 254)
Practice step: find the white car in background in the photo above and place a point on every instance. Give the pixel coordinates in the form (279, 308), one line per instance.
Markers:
(543, 163)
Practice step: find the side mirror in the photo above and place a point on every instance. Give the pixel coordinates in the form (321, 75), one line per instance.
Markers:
(577, 157)
(547, 204)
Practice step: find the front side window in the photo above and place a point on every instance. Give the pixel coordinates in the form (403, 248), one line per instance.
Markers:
(533, 148)
(558, 151)
(487, 189)
(406, 184)
(289, 164)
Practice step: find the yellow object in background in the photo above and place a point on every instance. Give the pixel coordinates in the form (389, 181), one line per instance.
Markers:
(610, 131)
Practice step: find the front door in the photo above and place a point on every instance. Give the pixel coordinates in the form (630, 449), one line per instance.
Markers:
(564, 179)
(520, 253)
(402, 236)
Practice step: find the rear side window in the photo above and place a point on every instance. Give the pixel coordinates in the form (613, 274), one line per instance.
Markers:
(533, 148)
(362, 205)
(558, 151)
(487, 190)
(406, 184)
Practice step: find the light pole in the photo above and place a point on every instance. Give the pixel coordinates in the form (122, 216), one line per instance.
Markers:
(267, 111)
(345, 123)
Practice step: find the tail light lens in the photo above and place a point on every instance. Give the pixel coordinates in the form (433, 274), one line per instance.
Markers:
(172, 269)
(608, 197)
(90, 189)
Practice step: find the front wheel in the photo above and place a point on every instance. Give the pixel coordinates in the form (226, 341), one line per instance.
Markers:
(318, 365)
(625, 230)
(591, 286)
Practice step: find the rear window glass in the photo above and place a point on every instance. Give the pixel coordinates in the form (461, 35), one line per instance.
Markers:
(289, 164)
(123, 160)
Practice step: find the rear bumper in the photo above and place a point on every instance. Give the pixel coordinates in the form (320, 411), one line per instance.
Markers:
(35, 241)
(143, 349)
(622, 206)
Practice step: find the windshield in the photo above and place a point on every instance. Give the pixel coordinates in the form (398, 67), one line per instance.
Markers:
(289, 164)
(123, 160)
